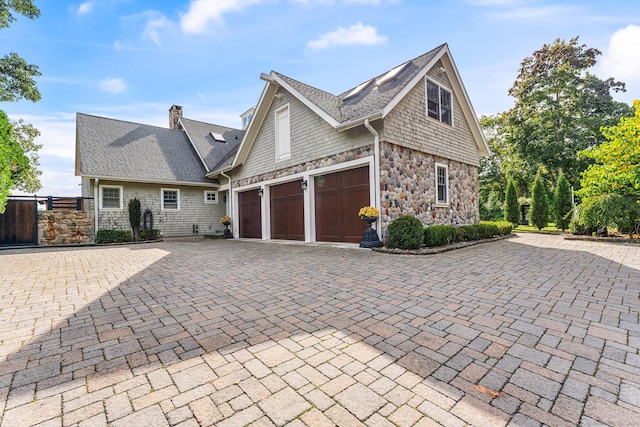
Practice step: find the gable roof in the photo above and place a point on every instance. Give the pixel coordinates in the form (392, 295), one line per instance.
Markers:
(110, 148)
(370, 100)
(205, 137)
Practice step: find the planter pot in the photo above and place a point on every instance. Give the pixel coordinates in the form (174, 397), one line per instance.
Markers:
(227, 233)
(370, 237)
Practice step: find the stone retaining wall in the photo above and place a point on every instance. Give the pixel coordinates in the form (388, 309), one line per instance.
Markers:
(65, 227)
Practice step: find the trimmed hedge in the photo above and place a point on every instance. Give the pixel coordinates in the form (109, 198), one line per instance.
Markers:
(113, 236)
(440, 235)
(405, 232)
(149, 234)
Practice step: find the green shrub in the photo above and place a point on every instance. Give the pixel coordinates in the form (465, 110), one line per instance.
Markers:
(470, 232)
(439, 235)
(405, 232)
(563, 205)
(539, 204)
(135, 215)
(511, 205)
(149, 233)
(113, 236)
(504, 227)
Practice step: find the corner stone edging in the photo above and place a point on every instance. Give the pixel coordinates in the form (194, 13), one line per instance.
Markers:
(440, 249)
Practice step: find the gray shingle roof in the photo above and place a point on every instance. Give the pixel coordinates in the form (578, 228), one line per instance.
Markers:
(214, 153)
(370, 99)
(119, 149)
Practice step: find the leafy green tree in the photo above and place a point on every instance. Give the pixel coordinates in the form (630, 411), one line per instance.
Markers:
(511, 205)
(563, 202)
(539, 205)
(16, 75)
(13, 161)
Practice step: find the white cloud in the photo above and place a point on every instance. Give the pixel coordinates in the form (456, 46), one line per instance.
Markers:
(622, 58)
(332, 2)
(355, 34)
(85, 8)
(544, 13)
(113, 85)
(202, 12)
(156, 24)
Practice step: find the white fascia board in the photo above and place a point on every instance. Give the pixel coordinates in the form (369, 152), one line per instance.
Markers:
(359, 122)
(151, 181)
(306, 101)
(193, 145)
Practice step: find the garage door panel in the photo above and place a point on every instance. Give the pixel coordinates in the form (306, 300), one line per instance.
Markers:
(338, 197)
(287, 211)
(250, 214)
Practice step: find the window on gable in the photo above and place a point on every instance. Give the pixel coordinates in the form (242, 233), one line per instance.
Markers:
(110, 197)
(439, 103)
(170, 199)
(283, 134)
(442, 184)
(210, 196)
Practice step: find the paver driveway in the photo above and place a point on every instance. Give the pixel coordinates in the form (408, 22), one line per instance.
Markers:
(235, 333)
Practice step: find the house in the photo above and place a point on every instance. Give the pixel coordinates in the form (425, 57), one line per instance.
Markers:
(407, 142)
(164, 168)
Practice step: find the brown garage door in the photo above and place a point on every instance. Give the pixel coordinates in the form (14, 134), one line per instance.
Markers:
(287, 211)
(250, 225)
(338, 198)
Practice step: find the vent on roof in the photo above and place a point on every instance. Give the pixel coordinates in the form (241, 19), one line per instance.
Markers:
(218, 137)
(390, 75)
(358, 89)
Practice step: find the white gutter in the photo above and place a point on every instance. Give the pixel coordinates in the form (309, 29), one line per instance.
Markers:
(96, 204)
(229, 198)
(358, 122)
(376, 170)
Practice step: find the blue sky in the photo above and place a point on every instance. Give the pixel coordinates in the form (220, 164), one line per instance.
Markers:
(132, 60)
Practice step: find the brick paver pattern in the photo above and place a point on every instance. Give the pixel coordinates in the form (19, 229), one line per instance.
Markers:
(528, 331)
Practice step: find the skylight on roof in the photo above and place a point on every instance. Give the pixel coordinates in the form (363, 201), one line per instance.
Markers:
(389, 75)
(218, 137)
(358, 89)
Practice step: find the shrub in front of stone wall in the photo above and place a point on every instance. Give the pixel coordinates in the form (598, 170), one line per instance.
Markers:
(113, 236)
(149, 234)
(405, 232)
(440, 235)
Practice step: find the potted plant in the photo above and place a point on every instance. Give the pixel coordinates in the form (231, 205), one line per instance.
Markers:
(370, 214)
(226, 221)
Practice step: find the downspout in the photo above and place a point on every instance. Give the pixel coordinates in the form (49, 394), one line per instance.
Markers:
(96, 204)
(376, 170)
(230, 195)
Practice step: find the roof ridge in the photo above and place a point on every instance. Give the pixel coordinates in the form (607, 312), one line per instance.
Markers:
(211, 124)
(124, 121)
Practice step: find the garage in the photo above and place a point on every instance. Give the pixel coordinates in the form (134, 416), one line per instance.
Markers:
(249, 212)
(287, 211)
(338, 198)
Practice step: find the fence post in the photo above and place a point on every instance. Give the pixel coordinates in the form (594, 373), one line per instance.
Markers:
(78, 203)
(49, 203)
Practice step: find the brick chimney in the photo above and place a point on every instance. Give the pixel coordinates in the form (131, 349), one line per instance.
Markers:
(175, 114)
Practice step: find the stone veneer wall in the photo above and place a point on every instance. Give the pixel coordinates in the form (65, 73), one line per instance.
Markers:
(408, 188)
(335, 159)
(65, 227)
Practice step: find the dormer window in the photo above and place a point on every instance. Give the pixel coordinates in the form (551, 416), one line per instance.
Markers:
(439, 104)
(246, 117)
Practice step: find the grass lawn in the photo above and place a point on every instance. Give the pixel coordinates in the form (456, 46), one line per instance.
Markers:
(550, 228)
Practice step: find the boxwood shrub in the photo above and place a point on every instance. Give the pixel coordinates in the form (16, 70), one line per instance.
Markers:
(439, 235)
(149, 234)
(405, 232)
(113, 236)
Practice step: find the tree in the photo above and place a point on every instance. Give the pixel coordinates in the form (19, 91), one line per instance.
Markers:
(12, 159)
(539, 205)
(511, 205)
(135, 215)
(16, 75)
(563, 202)
(559, 110)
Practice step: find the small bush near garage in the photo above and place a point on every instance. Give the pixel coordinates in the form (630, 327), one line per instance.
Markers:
(440, 235)
(113, 236)
(405, 232)
(149, 234)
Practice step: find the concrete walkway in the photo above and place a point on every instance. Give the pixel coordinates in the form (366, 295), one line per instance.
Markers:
(528, 331)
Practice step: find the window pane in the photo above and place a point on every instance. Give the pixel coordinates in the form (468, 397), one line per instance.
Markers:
(111, 198)
(170, 199)
(442, 184)
(433, 104)
(445, 106)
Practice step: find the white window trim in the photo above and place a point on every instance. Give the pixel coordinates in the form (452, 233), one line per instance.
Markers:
(207, 192)
(102, 198)
(440, 203)
(162, 190)
(279, 156)
(426, 95)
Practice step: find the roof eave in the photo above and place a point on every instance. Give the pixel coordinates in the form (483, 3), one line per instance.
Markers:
(358, 122)
(152, 181)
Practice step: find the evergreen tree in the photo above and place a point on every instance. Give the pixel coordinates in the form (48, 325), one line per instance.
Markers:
(511, 206)
(539, 204)
(563, 203)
